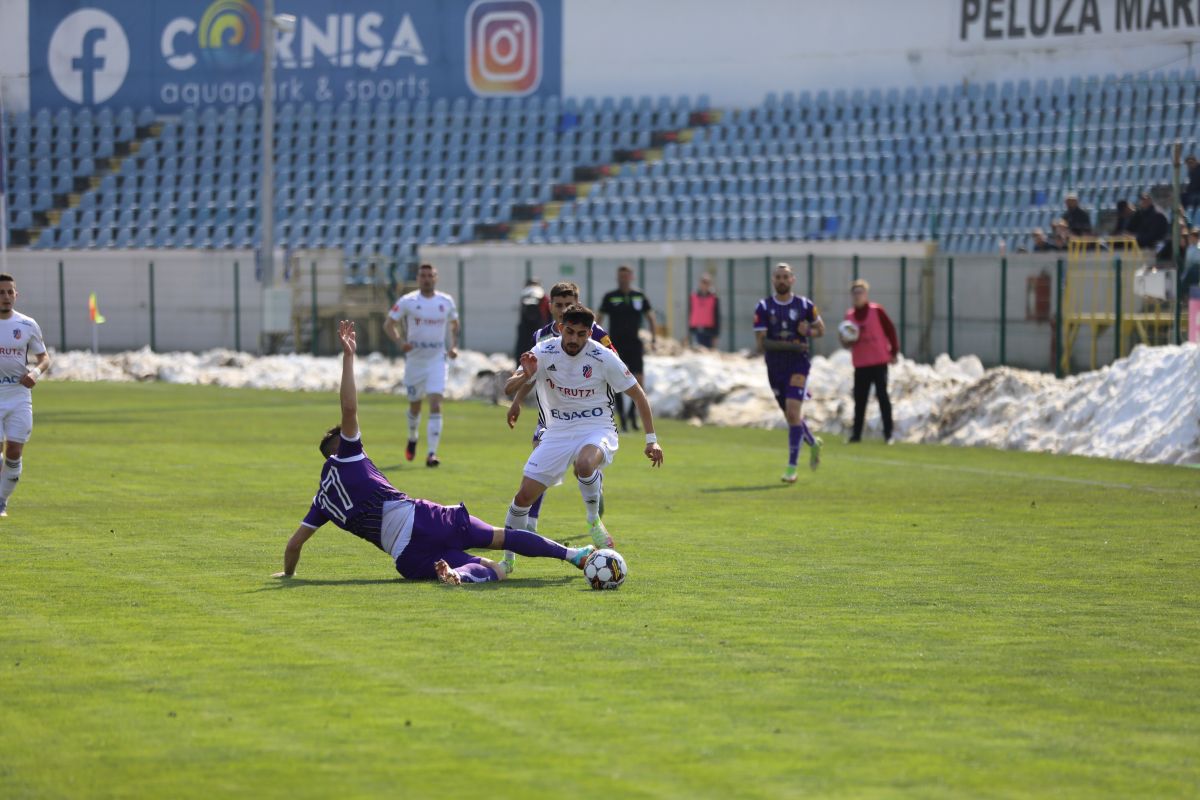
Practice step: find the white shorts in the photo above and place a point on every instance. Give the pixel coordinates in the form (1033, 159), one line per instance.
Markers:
(424, 376)
(16, 417)
(560, 445)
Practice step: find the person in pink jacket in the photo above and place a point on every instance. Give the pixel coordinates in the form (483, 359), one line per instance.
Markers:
(875, 348)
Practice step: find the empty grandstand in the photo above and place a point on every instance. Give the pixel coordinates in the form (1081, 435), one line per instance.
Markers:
(970, 166)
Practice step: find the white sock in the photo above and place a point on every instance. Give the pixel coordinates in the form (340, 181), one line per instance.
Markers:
(589, 487)
(9, 477)
(531, 525)
(433, 431)
(414, 421)
(517, 517)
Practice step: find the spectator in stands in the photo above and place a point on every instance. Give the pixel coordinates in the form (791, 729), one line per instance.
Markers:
(1121, 223)
(1190, 197)
(1148, 224)
(1166, 254)
(1040, 243)
(1061, 240)
(1078, 220)
(535, 312)
(704, 314)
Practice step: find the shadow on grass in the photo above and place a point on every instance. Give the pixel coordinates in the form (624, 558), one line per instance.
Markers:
(294, 583)
(513, 584)
(757, 488)
(507, 585)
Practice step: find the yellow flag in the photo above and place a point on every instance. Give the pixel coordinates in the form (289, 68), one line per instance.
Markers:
(93, 310)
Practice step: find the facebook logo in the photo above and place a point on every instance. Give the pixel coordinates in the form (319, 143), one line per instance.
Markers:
(88, 56)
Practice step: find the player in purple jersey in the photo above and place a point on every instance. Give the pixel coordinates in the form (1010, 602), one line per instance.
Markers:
(784, 325)
(426, 540)
(562, 296)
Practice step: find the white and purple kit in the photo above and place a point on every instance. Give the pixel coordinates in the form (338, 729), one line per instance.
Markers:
(356, 497)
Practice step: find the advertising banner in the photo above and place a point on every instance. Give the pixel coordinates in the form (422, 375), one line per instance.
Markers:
(175, 54)
(1018, 24)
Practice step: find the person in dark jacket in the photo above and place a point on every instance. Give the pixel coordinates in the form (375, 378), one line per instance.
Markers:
(1148, 224)
(1078, 220)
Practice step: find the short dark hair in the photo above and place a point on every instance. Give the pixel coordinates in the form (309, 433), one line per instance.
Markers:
(563, 289)
(4, 276)
(329, 441)
(625, 268)
(578, 314)
(427, 266)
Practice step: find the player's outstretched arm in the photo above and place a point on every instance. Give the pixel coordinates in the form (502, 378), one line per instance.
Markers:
(348, 391)
(291, 554)
(653, 450)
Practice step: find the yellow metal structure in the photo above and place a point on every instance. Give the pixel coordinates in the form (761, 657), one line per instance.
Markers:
(1099, 295)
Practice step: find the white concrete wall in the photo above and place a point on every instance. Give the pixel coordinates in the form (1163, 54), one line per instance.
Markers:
(193, 297)
(14, 54)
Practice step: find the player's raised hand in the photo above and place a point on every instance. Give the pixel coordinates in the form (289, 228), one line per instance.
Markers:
(348, 336)
(514, 412)
(655, 454)
(452, 352)
(529, 362)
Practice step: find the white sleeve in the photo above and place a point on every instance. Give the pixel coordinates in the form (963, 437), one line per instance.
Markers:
(616, 373)
(38, 345)
(397, 310)
(452, 312)
(542, 361)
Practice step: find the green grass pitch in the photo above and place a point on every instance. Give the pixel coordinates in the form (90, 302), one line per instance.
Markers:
(907, 621)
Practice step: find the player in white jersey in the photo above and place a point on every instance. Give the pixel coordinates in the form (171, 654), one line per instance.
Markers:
(418, 323)
(579, 378)
(19, 336)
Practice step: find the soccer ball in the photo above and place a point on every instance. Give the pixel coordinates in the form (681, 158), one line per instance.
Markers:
(848, 331)
(605, 569)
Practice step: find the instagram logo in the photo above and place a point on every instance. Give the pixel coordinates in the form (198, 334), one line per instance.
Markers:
(504, 47)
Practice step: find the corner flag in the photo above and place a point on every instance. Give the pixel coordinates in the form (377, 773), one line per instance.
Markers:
(94, 311)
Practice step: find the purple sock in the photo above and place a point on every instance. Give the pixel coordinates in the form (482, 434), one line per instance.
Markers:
(525, 543)
(795, 434)
(476, 573)
(535, 510)
(807, 434)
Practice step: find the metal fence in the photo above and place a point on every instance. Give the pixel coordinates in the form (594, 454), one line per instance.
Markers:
(1022, 310)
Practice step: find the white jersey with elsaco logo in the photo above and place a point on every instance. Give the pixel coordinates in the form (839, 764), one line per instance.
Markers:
(575, 388)
(20, 337)
(425, 321)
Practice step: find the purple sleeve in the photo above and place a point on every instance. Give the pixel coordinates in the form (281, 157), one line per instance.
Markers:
(315, 517)
(760, 316)
(350, 447)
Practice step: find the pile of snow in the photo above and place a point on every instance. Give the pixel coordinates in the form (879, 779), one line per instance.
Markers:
(1143, 408)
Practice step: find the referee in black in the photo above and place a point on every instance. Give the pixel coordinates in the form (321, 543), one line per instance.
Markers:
(624, 309)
